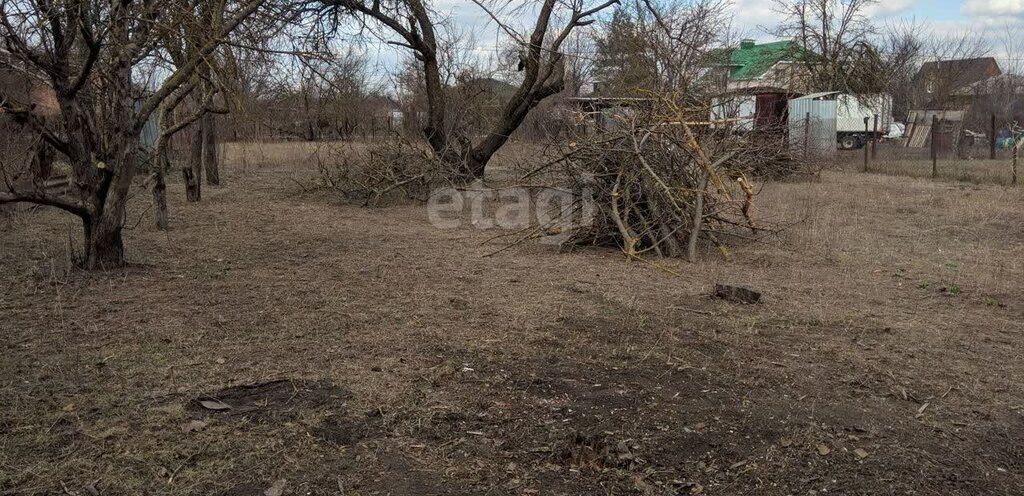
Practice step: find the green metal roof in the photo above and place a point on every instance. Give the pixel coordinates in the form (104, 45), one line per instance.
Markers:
(751, 61)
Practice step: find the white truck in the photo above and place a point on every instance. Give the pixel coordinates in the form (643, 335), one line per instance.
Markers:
(738, 113)
(850, 113)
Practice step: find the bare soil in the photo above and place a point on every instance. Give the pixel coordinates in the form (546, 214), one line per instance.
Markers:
(363, 351)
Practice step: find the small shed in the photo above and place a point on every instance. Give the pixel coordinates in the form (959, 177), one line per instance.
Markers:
(919, 129)
(599, 114)
(812, 125)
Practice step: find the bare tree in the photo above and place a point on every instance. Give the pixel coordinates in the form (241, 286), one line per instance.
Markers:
(180, 40)
(1011, 47)
(680, 36)
(166, 129)
(899, 50)
(841, 49)
(415, 26)
(88, 50)
(832, 35)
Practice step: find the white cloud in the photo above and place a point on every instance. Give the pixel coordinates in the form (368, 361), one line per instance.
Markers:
(889, 8)
(757, 18)
(753, 18)
(993, 8)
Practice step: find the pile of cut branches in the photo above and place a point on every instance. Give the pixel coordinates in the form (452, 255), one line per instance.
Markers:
(387, 171)
(657, 184)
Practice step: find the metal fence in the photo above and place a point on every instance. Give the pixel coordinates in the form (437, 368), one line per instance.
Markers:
(812, 128)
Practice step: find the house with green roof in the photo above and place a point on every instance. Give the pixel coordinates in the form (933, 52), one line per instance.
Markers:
(753, 82)
(753, 67)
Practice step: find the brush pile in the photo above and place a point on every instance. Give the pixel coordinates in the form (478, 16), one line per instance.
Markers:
(389, 171)
(655, 184)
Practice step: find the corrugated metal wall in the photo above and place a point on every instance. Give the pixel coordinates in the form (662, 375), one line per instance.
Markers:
(812, 128)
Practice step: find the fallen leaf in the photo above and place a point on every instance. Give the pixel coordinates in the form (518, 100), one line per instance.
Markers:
(70, 407)
(277, 489)
(860, 453)
(824, 450)
(215, 405)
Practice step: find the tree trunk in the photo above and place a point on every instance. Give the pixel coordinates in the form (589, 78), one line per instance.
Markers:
(698, 218)
(103, 225)
(436, 131)
(42, 162)
(476, 162)
(211, 163)
(514, 115)
(104, 246)
(193, 170)
(161, 165)
(160, 191)
(449, 148)
(310, 135)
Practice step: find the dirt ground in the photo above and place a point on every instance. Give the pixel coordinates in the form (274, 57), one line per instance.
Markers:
(279, 342)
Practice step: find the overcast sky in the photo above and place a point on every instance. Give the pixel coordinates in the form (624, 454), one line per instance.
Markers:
(756, 18)
(752, 15)
(941, 14)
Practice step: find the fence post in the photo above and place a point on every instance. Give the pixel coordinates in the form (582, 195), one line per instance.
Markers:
(992, 139)
(874, 141)
(807, 134)
(866, 147)
(1016, 154)
(935, 146)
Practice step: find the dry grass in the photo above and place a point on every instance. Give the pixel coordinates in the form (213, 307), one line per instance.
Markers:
(245, 156)
(891, 324)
